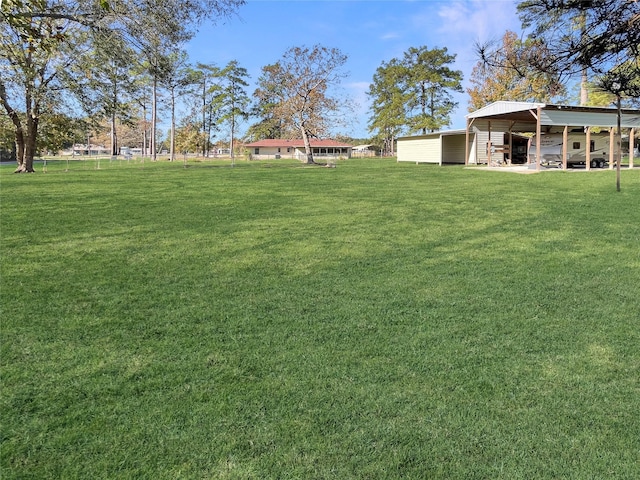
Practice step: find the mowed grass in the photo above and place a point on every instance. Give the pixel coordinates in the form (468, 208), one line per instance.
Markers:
(376, 320)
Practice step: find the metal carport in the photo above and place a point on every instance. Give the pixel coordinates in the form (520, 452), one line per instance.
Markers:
(524, 117)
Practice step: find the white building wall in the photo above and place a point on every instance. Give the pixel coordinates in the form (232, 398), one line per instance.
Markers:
(482, 139)
(272, 152)
(453, 148)
(422, 149)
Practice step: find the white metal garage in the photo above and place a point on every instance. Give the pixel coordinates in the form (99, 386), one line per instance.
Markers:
(437, 147)
(446, 147)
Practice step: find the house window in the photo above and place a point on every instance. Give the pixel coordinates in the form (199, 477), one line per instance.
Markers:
(288, 149)
(256, 151)
(576, 145)
(278, 149)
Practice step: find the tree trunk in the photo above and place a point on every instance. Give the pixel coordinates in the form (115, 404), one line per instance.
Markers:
(19, 131)
(307, 146)
(208, 137)
(173, 126)
(233, 127)
(584, 92)
(114, 136)
(114, 100)
(154, 115)
(204, 116)
(19, 147)
(25, 160)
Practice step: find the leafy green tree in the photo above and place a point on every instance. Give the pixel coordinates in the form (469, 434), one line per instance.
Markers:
(7, 138)
(414, 93)
(268, 125)
(59, 131)
(387, 105)
(188, 137)
(177, 77)
(130, 18)
(40, 38)
(140, 103)
(428, 82)
(103, 79)
(207, 76)
(33, 53)
(232, 98)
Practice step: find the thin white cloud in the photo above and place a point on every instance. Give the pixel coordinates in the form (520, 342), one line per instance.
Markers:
(389, 36)
(477, 20)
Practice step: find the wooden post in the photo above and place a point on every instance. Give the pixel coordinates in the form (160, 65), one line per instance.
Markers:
(565, 140)
(489, 145)
(587, 150)
(612, 140)
(538, 138)
(510, 145)
(632, 146)
(618, 142)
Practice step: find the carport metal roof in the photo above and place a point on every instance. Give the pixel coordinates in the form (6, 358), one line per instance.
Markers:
(522, 116)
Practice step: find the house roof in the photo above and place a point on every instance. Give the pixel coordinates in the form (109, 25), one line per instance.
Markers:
(297, 143)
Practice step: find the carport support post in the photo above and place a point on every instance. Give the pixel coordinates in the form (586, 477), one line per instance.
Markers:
(619, 143)
(538, 138)
(565, 140)
(587, 150)
(632, 146)
(489, 144)
(612, 140)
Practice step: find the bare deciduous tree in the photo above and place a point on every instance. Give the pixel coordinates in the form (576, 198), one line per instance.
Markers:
(301, 85)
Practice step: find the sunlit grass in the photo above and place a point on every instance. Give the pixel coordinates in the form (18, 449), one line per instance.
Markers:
(270, 320)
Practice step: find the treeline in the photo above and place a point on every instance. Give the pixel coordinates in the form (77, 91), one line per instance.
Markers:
(74, 68)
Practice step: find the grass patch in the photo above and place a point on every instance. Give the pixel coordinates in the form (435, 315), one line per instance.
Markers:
(270, 320)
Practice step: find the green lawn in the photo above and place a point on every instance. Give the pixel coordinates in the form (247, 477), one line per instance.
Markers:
(376, 320)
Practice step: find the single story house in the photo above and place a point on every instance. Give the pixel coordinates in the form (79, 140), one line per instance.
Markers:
(90, 149)
(294, 148)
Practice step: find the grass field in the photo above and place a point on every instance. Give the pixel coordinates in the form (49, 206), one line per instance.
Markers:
(376, 320)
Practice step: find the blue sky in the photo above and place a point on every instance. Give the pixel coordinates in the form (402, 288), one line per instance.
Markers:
(367, 31)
